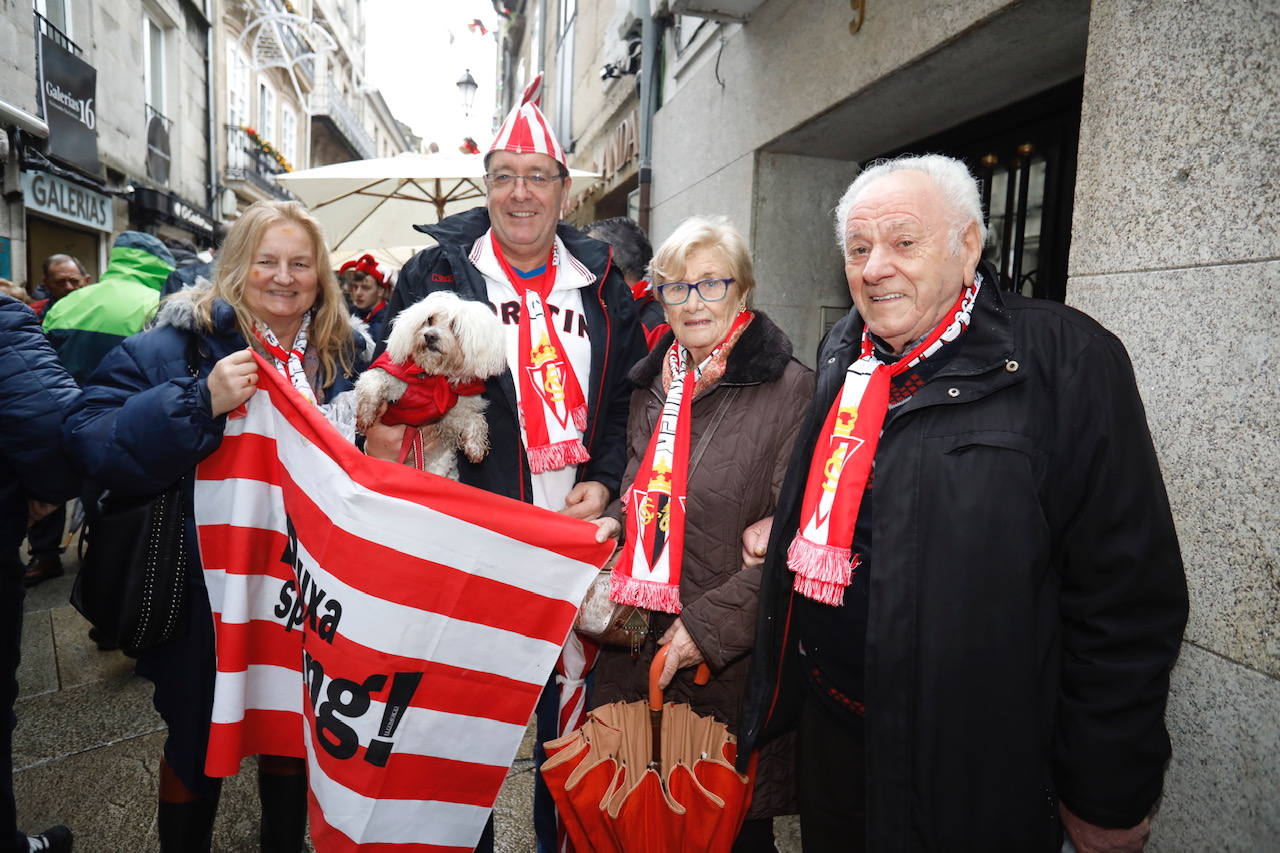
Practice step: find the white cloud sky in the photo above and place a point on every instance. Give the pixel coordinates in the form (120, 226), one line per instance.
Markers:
(415, 53)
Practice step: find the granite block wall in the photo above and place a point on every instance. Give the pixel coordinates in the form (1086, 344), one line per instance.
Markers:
(1176, 248)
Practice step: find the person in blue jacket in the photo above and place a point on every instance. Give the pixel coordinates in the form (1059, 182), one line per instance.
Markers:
(157, 406)
(35, 475)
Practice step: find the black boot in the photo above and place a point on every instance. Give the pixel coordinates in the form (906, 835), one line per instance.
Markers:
(187, 827)
(284, 811)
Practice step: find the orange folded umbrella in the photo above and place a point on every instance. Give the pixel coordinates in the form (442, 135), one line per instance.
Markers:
(650, 776)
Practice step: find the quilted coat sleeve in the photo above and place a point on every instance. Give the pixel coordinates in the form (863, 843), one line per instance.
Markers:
(35, 394)
(722, 622)
(143, 421)
(1123, 597)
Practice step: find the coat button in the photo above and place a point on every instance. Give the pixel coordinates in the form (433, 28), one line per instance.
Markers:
(831, 360)
(953, 392)
(1011, 366)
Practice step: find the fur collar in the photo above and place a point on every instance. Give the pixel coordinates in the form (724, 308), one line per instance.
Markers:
(760, 356)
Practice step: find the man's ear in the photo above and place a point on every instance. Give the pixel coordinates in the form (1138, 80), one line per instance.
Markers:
(971, 249)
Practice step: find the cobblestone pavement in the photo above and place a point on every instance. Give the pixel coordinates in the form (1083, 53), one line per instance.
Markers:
(87, 746)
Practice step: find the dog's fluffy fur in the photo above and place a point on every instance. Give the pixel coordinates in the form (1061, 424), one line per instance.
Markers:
(445, 336)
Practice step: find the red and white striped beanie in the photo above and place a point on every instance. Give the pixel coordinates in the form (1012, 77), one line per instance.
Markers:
(526, 130)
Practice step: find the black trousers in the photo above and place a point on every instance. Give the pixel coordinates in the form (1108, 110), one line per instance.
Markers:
(11, 595)
(45, 536)
(833, 784)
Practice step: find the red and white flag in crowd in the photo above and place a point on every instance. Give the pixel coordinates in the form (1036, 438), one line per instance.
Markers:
(393, 628)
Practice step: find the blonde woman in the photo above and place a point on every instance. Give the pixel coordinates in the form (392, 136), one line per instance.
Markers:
(157, 405)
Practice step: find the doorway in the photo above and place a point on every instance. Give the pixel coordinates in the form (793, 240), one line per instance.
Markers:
(1024, 157)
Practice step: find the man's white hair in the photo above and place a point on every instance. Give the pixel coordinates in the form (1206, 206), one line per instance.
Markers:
(951, 177)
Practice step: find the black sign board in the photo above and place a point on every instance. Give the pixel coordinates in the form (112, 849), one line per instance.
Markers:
(173, 209)
(68, 93)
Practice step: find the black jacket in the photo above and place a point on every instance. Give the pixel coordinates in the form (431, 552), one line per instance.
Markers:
(35, 393)
(615, 346)
(1026, 593)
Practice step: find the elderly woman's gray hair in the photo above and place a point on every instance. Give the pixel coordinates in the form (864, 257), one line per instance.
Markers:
(704, 232)
(952, 179)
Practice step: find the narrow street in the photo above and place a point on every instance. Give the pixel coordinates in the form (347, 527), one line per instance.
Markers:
(87, 748)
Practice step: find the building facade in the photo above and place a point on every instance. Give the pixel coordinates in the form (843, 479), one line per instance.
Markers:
(170, 116)
(106, 127)
(1129, 154)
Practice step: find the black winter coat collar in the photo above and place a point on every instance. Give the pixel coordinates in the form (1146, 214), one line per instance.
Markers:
(759, 356)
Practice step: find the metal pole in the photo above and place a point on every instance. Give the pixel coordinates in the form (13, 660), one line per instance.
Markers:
(648, 81)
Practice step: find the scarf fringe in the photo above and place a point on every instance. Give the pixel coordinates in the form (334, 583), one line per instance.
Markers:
(579, 414)
(822, 571)
(651, 595)
(553, 457)
(823, 593)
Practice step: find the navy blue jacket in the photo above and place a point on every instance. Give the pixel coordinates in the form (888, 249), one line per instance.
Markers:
(144, 421)
(35, 393)
(616, 345)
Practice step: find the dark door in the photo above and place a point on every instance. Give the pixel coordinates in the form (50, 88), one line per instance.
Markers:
(1024, 157)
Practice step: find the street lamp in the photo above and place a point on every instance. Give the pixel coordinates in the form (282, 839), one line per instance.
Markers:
(467, 87)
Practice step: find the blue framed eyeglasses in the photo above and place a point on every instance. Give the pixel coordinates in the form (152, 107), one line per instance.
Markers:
(709, 290)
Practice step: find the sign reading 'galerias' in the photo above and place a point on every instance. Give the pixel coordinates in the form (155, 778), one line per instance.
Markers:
(68, 92)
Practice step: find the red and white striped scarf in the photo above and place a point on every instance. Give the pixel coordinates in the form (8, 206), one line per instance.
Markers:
(553, 409)
(648, 573)
(821, 553)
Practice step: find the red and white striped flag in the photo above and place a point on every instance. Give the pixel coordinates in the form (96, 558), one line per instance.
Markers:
(392, 627)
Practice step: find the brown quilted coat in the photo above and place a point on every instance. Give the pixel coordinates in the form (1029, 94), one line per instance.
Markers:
(753, 413)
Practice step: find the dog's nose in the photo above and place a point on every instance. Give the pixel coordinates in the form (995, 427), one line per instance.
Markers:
(430, 335)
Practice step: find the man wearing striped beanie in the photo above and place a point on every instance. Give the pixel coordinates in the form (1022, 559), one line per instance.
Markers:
(557, 416)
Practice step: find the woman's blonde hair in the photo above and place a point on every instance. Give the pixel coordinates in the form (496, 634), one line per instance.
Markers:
(703, 232)
(330, 335)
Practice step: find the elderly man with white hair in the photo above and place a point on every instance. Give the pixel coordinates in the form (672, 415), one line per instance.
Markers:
(973, 592)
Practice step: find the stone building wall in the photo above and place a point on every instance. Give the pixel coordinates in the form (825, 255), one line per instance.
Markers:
(1176, 248)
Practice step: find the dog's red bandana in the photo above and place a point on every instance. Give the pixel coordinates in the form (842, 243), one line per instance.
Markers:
(427, 399)
(821, 553)
(648, 573)
(553, 409)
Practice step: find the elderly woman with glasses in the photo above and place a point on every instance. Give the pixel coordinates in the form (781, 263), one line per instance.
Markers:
(717, 405)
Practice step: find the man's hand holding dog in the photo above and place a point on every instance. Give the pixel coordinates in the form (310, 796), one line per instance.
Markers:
(383, 442)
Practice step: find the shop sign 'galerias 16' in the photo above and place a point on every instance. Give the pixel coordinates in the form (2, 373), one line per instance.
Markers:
(68, 94)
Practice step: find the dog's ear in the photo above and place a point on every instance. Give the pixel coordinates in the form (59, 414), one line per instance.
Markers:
(481, 338)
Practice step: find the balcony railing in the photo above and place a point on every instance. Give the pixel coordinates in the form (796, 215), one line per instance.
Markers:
(46, 27)
(158, 133)
(247, 162)
(328, 101)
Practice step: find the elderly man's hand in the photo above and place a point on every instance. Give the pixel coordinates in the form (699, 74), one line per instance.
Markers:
(607, 528)
(1095, 839)
(586, 500)
(755, 541)
(383, 442)
(684, 652)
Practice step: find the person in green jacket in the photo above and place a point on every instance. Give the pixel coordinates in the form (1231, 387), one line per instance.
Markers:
(87, 323)
(83, 326)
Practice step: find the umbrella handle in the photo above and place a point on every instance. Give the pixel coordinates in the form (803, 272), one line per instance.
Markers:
(701, 676)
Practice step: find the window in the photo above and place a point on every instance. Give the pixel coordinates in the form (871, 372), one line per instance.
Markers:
(153, 64)
(267, 112)
(289, 134)
(237, 86)
(56, 12)
(563, 122)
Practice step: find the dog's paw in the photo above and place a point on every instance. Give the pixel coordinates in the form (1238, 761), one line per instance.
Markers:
(475, 448)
